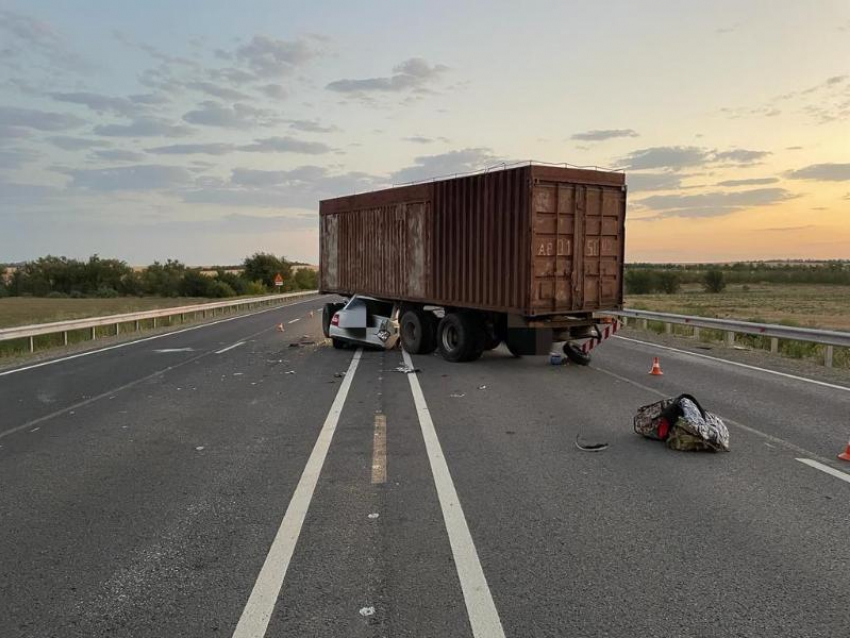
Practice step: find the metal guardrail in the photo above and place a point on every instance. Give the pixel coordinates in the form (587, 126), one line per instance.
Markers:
(828, 338)
(93, 323)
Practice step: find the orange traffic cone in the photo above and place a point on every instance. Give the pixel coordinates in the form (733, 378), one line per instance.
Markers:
(845, 455)
(656, 368)
(280, 327)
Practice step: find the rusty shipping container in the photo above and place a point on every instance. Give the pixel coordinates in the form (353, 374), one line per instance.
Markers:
(533, 241)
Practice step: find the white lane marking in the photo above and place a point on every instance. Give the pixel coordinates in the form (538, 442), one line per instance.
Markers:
(746, 428)
(169, 350)
(825, 468)
(159, 336)
(379, 450)
(740, 365)
(294, 320)
(261, 603)
(483, 617)
(235, 345)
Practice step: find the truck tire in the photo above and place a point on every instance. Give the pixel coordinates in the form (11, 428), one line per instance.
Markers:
(460, 337)
(576, 355)
(418, 331)
(328, 311)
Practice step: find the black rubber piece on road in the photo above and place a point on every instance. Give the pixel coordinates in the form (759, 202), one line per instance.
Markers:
(460, 337)
(328, 311)
(575, 354)
(418, 331)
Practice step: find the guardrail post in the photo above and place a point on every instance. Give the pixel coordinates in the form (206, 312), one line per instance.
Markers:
(32, 344)
(827, 357)
(730, 338)
(668, 328)
(137, 325)
(774, 344)
(93, 333)
(117, 329)
(696, 333)
(644, 324)
(65, 337)
(154, 322)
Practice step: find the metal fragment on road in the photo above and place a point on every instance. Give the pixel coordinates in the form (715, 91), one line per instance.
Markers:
(590, 447)
(290, 372)
(457, 395)
(373, 515)
(482, 387)
(199, 448)
(407, 369)
(367, 611)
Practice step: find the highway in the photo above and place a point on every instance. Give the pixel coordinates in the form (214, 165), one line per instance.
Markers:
(233, 480)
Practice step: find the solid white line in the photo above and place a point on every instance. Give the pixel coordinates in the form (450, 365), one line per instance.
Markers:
(159, 336)
(235, 345)
(294, 320)
(255, 617)
(483, 617)
(825, 468)
(740, 365)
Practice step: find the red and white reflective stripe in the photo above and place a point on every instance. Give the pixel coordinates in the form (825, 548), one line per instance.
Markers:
(609, 331)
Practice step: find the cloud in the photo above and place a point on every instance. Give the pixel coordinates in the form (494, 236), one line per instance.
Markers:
(653, 181)
(739, 156)
(143, 127)
(785, 229)
(445, 164)
(142, 177)
(39, 120)
(118, 155)
(255, 177)
(69, 143)
(311, 126)
(757, 181)
(238, 116)
(221, 92)
(822, 172)
(14, 158)
(268, 57)
(414, 73)
(28, 34)
(274, 91)
(713, 204)
(155, 53)
(670, 157)
(99, 103)
(285, 145)
(12, 133)
(423, 139)
(604, 134)
(676, 158)
(211, 148)
(232, 75)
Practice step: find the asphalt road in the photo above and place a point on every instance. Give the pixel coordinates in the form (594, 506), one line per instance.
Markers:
(189, 486)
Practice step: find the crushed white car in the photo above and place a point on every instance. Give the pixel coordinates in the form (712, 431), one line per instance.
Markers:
(361, 321)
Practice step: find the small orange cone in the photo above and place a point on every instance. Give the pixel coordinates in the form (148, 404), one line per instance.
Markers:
(656, 368)
(280, 327)
(845, 455)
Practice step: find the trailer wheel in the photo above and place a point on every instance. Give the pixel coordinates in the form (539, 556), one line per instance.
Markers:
(460, 337)
(418, 331)
(328, 311)
(576, 354)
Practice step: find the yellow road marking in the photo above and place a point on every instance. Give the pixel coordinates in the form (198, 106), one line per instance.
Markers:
(379, 450)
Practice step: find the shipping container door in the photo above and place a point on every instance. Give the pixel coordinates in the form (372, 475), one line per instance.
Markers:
(330, 252)
(604, 211)
(555, 215)
(417, 257)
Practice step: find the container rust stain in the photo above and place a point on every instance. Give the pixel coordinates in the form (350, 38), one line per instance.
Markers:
(532, 240)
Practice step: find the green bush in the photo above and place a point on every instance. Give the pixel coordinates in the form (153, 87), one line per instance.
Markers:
(220, 289)
(57, 295)
(668, 281)
(255, 288)
(76, 294)
(237, 283)
(640, 282)
(4, 292)
(714, 281)
(105, 292)
(194, 284)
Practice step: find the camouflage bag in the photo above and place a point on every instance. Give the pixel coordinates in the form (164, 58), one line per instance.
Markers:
(683, 424)
(649, 420)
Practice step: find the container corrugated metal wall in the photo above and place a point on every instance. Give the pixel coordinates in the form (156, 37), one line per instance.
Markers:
(532, 240)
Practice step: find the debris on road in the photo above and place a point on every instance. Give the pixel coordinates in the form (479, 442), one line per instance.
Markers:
(367, 611)
(290, 372)
(457, 395)
(683, 424)
(199, 448)
(339, 375)
(373, 516)
(407, 369)
(556, 359)
(590, 447)
(235, 374)
(482, 387)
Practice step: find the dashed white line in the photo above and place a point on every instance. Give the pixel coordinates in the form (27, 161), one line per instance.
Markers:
(480, 608)
(786, 375)
(261, 603)
(235, 345)
(825, 468)
(294, 320)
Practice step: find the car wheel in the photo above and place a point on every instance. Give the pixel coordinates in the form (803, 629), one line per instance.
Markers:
(328, 311)
(460, 337)
(418, 334)
(576, 354)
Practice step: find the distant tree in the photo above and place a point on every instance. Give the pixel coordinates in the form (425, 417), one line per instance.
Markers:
(714, 281)
(640, 281)
(307, 279)
(219, 289)
(163, 280)
(264, 267)
(194, 284)
(4, 291)
(668, 281)
(256, 288)
(237, 284)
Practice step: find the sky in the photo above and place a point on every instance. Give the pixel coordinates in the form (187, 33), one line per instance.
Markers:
(208, 131)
